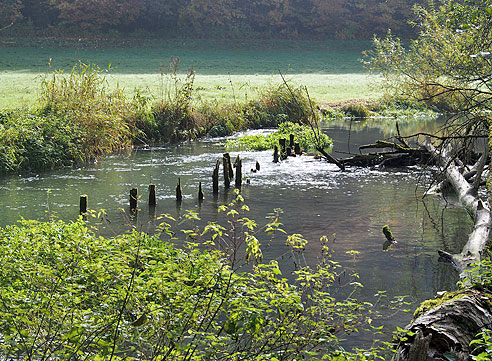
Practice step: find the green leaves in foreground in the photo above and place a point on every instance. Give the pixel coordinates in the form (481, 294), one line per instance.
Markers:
(68, 294)
(303, 135)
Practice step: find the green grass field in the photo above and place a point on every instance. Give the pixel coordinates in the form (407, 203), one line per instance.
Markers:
(225, 72)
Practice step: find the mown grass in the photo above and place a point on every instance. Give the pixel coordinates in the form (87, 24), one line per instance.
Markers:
(18, 89)
(225, 72)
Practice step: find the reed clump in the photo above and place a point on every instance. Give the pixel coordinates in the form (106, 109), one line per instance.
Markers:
(104, 118)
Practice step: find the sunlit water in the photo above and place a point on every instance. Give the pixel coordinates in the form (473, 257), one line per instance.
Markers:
(317, 199)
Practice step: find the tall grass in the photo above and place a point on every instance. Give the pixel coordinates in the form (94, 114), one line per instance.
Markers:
(105, 118)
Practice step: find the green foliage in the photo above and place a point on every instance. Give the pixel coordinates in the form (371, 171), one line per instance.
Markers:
(68, 294)
(448, 66)
(302, 133)
(31, 142)
(359, 111)
(104, 119)
(482, 346)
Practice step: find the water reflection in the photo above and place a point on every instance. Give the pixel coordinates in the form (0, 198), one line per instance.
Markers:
(317, 199)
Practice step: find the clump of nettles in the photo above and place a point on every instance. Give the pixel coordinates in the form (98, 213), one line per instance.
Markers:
(303, 134)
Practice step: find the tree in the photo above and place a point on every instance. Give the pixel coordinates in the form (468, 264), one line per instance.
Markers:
(449, 67)
(97, 14)
(10, 11)
(449, 64)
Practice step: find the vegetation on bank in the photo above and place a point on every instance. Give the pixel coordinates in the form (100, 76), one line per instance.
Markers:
(69, 294)
(80, 118)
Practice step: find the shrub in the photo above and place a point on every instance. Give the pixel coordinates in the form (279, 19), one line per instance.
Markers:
(68, 294)
(356, 111)
(30, 141)
(276, 104)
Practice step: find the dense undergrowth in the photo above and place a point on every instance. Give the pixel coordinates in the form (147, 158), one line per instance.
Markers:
(69, 294)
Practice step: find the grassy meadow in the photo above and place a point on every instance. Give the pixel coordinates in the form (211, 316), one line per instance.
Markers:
(225, 72)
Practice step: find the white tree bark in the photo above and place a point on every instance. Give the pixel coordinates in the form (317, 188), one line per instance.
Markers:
(445, 332)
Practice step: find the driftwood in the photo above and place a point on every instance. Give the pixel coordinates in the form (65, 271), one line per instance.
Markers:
(399, 155)
(444, 332)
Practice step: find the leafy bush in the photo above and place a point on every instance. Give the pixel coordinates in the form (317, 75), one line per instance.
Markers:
(303, 134)
(68, 294)
(30, 142)
(356, 111)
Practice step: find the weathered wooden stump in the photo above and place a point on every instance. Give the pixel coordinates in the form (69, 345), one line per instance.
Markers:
(283, 150)
(387, 233)
(179, 191)
(231, 171)
(275, 155)
(227, 177)
(215, 178)
(239, 173)
(289, 152)
(282, 143)
(291, 141)
(83, 204)
(257, 166)
(133, 199)
(152, 197)
(200, 192)
(297, 149)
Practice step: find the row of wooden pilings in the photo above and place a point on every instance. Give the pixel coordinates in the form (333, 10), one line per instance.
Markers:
(228, 176)
(292, 150)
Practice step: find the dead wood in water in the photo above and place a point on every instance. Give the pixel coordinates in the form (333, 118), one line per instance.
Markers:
(446, 328)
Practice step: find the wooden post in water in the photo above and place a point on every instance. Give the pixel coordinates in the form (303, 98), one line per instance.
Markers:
(297, 149)
(282, 144)
(283, 150)
(291, 141)
(239, 173)
(275, 155)
(200, 192)
(227, 178)
(289, 152)
(215, 178)
(257, 166)
(83, 204)
(133, 199)
(231, 171)
(179, 192)
(152, 198)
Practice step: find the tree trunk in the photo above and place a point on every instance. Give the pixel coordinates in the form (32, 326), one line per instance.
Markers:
(445, 331)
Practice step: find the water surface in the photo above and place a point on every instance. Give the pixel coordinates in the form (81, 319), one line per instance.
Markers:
(317, 199)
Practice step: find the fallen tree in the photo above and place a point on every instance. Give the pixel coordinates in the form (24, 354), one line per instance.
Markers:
(444, 327)
(445, 330)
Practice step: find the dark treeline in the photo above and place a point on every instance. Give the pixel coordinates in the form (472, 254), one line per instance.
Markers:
(341, 19)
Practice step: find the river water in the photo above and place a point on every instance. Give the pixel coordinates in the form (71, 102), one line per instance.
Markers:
(317, 199)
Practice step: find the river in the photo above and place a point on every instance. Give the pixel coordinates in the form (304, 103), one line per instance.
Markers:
(317, 199)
